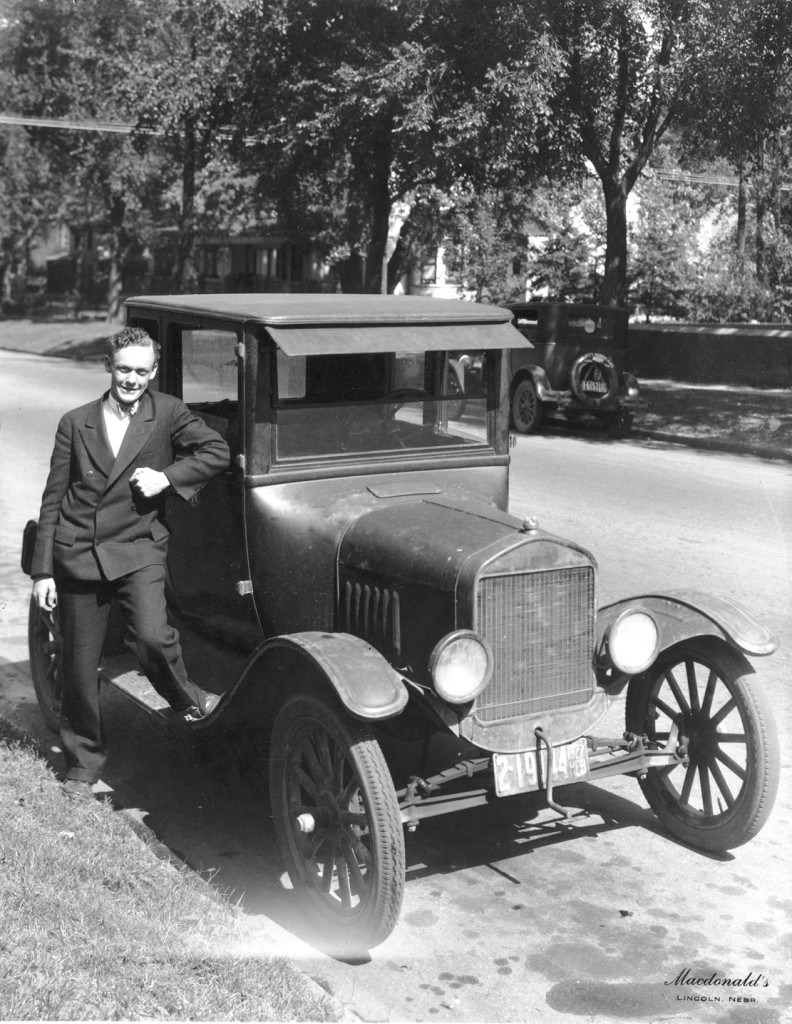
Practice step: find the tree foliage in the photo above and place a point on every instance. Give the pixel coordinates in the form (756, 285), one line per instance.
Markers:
(365, 124)
(625, 65)
(486, 246)
(374, 103)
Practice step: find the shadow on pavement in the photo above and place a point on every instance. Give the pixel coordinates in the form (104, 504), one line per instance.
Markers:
(216, 818)
(196, 807)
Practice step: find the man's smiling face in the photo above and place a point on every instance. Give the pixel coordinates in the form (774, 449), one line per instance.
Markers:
(131, 370)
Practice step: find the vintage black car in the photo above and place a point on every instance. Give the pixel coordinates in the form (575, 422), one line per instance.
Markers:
(576, 366)
(398, 641)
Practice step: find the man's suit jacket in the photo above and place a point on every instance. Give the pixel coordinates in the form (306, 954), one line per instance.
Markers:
(90, 517)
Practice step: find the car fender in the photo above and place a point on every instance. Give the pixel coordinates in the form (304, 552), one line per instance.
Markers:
(630, 384)
(681, 615)
(366, 684)
(539, 376)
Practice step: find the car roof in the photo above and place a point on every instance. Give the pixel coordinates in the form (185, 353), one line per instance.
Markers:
(307, 324)
(299, 309)
(573, 307)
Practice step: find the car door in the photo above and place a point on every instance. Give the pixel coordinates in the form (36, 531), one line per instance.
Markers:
(207, 558)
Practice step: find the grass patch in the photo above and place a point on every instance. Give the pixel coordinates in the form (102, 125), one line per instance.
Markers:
(749, 417)
(97, 927)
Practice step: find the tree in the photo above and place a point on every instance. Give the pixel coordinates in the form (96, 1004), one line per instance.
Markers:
(28, 206)
(739, 103)
(65, 60)
(184, 79)
(486, 246)
(373, 104)
(664, 236)
(162, 65)
(626, 62)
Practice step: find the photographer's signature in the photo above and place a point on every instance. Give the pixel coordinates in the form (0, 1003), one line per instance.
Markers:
(737, 988)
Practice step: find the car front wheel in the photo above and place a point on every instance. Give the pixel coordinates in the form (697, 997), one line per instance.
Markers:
(723, 795)
(45, 645)
(337, 820)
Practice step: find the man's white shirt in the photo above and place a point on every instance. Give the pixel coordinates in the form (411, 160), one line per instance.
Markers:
(117, 418)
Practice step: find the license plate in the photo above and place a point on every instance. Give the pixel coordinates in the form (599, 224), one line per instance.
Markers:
(595, 385)
(527, 771)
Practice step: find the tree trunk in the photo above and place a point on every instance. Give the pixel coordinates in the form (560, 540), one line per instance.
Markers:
(614, 282)
(350, 272)
(115, 289)
(186, 280)
(742, 209)
(379, 168)
(397, 264)
(761, 208)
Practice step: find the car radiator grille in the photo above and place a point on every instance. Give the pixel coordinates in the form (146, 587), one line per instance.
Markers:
(541, 629)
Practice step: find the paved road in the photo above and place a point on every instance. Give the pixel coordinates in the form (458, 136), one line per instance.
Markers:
(508, 915)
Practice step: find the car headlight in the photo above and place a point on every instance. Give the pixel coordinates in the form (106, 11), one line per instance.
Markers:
(633, 640)
(461, 666)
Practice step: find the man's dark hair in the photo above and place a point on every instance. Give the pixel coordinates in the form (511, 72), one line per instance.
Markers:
(131, 336)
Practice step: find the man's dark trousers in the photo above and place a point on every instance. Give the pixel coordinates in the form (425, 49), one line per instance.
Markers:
(84, 614)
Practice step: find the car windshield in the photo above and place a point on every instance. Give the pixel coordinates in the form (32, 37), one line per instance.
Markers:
(369, 403)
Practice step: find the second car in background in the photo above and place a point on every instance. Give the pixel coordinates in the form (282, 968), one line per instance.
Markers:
(576, 367)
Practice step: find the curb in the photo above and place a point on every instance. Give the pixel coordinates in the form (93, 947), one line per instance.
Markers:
(757, 450)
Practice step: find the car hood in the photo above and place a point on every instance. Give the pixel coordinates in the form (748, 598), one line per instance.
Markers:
(437, 542)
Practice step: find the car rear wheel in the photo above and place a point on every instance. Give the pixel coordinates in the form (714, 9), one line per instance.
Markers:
(45, 645)
(526, 408)
(724, 793)
(337, 820)
(619, 424)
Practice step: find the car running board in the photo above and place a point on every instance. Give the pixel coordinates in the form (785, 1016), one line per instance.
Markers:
(122, 672)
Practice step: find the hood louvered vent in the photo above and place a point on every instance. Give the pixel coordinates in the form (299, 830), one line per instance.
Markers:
(373, 613)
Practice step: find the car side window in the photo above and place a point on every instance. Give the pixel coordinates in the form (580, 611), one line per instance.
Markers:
(210, 377)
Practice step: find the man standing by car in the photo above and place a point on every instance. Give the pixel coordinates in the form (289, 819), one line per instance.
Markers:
(102, 537)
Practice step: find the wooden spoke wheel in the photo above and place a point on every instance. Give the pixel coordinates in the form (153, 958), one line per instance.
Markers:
(45, 645)
(724, 793)
(337, 820)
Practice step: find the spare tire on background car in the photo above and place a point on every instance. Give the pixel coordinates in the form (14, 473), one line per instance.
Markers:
(594, 379)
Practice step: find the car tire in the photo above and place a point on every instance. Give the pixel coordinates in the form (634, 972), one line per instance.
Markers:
(722, 797)
(588, 365)
(45, 646)
(337, 821)
(619, 424)
(526, 407)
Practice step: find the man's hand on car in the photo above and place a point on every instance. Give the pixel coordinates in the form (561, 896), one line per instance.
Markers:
(149, 482)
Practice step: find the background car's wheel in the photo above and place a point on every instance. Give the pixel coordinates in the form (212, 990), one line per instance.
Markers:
(337, 819)
(526, 407)
(619, 424)
(721, 798)
(45, 644)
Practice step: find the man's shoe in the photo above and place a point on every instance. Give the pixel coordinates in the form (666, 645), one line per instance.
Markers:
(76, 789)
(195, 714)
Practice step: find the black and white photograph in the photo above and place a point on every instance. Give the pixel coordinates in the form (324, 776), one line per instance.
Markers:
(396, 511)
